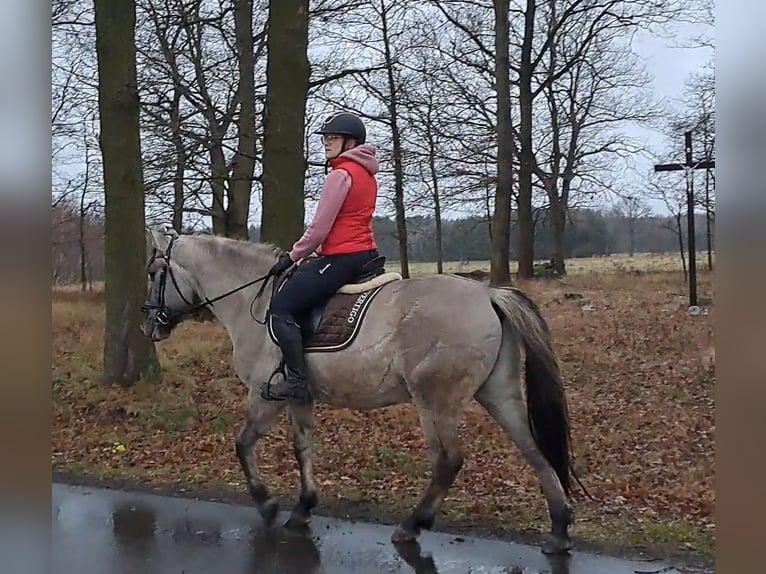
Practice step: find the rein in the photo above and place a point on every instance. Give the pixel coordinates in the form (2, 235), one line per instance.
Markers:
(164, 315)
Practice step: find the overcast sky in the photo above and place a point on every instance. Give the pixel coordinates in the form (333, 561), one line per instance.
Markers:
(670, 65)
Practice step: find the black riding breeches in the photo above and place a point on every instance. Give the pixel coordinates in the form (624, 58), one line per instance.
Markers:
(315, 281)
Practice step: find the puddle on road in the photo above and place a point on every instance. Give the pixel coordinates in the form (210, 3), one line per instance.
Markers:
(115, 532)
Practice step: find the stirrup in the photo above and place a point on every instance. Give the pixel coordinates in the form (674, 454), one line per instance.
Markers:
(291, 392)
(266, 392)
(266, 387)
(303, 394)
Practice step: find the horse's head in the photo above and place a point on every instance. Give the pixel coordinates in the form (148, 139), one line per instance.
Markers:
(172, 290)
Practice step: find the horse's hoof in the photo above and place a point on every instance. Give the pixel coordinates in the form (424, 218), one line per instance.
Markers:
(297, 522)
(268, 511)
(556, 545)
(404, 535)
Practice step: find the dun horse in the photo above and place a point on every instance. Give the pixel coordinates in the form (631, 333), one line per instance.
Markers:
(435, 341)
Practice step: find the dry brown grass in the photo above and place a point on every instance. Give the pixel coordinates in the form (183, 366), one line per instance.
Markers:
(638, 372)
(585, 265)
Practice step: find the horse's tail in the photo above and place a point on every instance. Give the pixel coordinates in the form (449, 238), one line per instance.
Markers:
(546, 401)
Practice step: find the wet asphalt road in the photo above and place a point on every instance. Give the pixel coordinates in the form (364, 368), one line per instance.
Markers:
(114, 532)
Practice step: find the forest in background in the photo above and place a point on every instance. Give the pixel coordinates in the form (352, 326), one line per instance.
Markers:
(78, 243)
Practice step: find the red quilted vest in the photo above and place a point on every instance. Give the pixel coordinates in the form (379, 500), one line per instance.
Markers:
(352, 230)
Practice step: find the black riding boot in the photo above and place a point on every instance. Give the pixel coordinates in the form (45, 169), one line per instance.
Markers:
(296, 385)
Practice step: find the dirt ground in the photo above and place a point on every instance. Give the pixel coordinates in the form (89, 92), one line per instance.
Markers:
(639, 377)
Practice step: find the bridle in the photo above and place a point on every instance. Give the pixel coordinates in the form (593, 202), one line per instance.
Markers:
(164, 315)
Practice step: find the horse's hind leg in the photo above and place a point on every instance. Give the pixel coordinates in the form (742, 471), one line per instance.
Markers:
(444, 452)
(303, 447)
(503, 398)
(261, 416)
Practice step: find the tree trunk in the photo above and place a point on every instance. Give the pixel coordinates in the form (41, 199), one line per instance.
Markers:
(178, 144)
(83, 213)
(438, 223)
(707, 222)
(401, 216)
(558, 203)
(218, 178)
(558, 215)
(81, 230)
(128, 354)
(238, 207)
(526, 239)
(437, 204)
(81, 234)
(287, 81)
(439, 240)
(500, 273)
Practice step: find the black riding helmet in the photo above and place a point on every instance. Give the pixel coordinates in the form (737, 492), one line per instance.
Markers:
(344, 124)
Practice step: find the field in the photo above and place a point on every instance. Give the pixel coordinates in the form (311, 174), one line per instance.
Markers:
(586, 265)
(639, 376)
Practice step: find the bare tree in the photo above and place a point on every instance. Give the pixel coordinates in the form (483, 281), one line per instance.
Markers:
(382, 31)
(526, 71)
(536, 69)
(243, 163)
(426, 112)
(583, 28)
(603, 89)
(385, 9)
(163, 90)
(701, 15)
(632, 208)
(672, 191)
(284, 164)
(87, 207)
(699, 117)
(70, 13)
(128, 355)
(74, 96)
(199, 99)
(500, 273)
(480, 75)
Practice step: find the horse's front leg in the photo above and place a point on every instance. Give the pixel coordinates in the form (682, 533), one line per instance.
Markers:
(261, 416)
(303, 447)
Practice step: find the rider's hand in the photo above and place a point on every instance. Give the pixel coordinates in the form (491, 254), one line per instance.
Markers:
(283, 264)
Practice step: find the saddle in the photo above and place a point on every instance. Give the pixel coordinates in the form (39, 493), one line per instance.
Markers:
(334, 325)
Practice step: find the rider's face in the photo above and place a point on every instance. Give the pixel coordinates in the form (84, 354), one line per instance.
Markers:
(333, 145)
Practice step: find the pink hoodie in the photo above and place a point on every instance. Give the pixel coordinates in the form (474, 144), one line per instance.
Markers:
(336, 186)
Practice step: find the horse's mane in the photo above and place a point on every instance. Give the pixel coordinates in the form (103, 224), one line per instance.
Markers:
(237, 249)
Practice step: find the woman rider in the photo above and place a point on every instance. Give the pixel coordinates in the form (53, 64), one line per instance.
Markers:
(340, 233)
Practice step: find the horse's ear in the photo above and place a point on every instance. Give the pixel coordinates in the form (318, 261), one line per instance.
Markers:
(158, 238)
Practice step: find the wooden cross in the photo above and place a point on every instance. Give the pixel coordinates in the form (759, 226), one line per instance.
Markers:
(689, 166)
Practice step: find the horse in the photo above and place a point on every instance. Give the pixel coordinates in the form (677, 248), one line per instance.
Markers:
(435, 341)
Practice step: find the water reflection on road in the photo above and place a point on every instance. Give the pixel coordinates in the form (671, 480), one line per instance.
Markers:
(114, 532)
